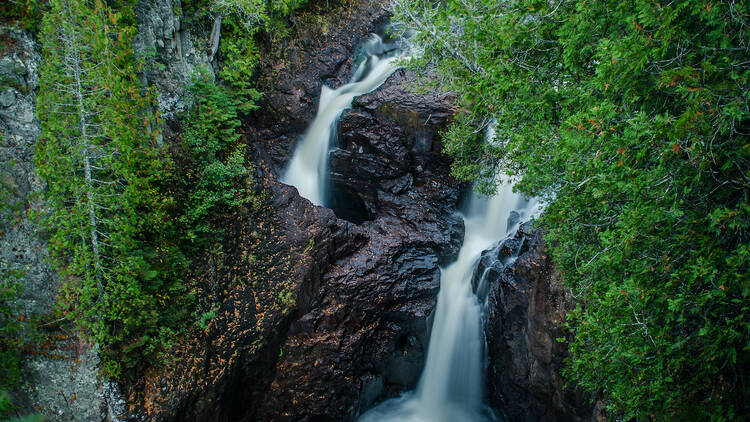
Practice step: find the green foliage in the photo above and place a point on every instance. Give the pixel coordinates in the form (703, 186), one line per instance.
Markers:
(117, 234)
(244, 19)
(631, 119)
(215, 160)
(239, 57)
(6, 408)
(206, 317)
(111, 232)
(11, 339)
(241, 22)
(11, 330)
(27, 14)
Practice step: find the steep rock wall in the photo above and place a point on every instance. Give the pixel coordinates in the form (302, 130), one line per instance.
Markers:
(352, 326)
(59, 379)
(526, 310)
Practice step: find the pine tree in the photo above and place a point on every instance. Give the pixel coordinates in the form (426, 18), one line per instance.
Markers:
(112, 236)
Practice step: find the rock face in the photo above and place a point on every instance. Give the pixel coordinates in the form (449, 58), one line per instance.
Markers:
(366, 332)
(387, 146)
(172, 54)
(358, 285)
(525, 311)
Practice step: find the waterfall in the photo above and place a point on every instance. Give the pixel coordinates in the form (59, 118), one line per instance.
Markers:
(451, 388)
(308, 169)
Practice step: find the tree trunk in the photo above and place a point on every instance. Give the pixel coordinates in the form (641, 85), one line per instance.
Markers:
(73, 56)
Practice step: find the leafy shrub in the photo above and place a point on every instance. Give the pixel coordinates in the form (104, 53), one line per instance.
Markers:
(215, 159)
(27, 14)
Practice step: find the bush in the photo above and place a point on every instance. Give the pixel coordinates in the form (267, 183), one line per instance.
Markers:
(214, 158)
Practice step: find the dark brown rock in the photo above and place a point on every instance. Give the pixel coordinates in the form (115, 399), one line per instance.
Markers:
(526, 308)
(318, 317)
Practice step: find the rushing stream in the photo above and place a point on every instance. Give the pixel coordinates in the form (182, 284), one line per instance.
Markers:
(451, 388)
(308, 169)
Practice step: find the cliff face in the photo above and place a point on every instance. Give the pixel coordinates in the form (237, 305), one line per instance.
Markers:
(339, 316)
(526, 308)
(172, 53)
(60, 377)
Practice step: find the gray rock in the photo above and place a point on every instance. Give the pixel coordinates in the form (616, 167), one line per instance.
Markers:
(67, 387)
(7, 98)
(161, 40)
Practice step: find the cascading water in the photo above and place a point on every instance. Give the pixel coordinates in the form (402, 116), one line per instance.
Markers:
(308, 169)
(452, 384)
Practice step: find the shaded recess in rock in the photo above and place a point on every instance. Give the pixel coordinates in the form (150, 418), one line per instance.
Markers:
(347, 204)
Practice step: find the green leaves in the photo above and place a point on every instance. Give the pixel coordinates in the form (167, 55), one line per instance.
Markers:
(632, 119)
(112, 238)
(215, 157)
(27, 14)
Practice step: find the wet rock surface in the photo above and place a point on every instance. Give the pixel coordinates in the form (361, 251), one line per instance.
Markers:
(526, 308)
(388, 146)
(365, 333)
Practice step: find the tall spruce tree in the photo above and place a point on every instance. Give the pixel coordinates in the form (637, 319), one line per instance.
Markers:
(111, 232)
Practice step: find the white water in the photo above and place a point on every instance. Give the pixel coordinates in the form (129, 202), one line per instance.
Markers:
(308, 168)
(451, 388)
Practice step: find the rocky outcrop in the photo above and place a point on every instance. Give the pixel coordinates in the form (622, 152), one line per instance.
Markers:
(365, 335)
(526, 306)
(172, 53)
(387, 145)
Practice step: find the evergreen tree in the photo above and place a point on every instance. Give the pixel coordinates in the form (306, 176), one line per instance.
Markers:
(632, 120)
(214, 163)
(111, 234)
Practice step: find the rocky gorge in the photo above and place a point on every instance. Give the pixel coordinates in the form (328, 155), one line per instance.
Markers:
(322, 312)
